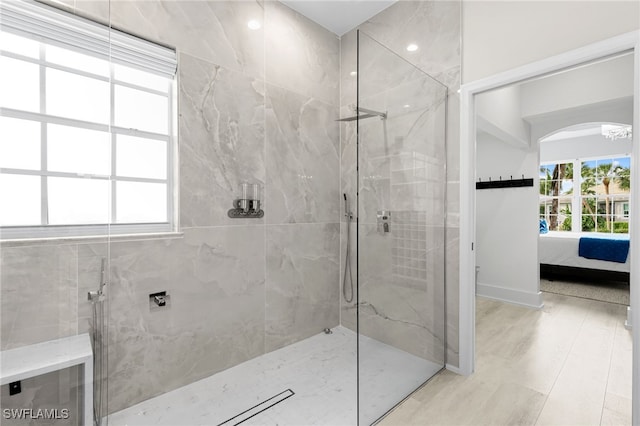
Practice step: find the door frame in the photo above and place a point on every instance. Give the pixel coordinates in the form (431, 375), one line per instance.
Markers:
(467, 263)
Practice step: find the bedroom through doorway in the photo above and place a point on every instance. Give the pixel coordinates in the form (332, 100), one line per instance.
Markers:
(504, 249)
(555, 151)
(568, 138)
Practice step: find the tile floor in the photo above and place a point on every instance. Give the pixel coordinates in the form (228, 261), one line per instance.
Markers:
(321, 371)
(567, 364)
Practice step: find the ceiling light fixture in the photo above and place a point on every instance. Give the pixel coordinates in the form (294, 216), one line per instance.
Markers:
(254, 24)
(412, 47)
(353, 73)
(622, 132)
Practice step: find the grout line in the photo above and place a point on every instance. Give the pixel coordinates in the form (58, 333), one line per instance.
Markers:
(606, 385)
(564, 363)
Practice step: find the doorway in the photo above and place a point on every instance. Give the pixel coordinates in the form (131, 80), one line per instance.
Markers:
(468, 179)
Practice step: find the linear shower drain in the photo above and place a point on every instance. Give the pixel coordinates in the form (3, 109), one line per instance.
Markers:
(259, 408)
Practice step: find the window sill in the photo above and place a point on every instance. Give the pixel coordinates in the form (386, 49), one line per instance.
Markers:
(88, 239)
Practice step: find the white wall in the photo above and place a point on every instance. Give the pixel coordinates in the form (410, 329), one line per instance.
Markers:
(583, 147)
(603, 82)
(620, 111)
(501, 35)
(507, 231)
(499, 113)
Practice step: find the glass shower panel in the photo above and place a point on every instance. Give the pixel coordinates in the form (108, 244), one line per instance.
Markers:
(401, 223)
(55, 206)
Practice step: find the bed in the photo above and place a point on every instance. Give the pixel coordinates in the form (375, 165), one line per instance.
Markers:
(558, 254)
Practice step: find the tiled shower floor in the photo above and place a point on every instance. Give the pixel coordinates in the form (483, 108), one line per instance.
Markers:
(320, 370)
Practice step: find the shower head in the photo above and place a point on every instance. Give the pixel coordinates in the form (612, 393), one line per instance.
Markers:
(362, 113)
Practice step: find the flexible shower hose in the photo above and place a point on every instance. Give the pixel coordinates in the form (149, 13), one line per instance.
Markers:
(98, 319)
(347, 266)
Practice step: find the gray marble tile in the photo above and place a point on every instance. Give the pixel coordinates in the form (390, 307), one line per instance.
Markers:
(221, 141)
(303, 176)
(402, 162)
(97, 10)
(301, 55)
(348, 68)
(416, 119)
(381, 69)
(402, 288)
(453, 137)
(215, 279)
(453, 294)
(216, 31)
(302, 295)
(39, 294)
(433, 25)
(89, 277)
(348, 161)
(350, 282)
(401, 169)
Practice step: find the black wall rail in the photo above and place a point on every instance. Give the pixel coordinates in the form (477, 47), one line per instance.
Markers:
(507, 183)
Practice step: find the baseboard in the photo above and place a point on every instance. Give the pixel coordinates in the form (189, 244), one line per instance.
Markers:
(509, 295)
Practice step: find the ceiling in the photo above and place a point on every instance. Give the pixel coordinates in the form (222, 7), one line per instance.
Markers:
(339, 16)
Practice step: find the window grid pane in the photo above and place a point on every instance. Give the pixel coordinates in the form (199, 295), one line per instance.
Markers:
(78, 201)
(78, 97)
(19, 144)
(19, 85)
(75, 150)
(70, 149)
(603, 193)
(135, 109)
(140, 202)
(21, 201)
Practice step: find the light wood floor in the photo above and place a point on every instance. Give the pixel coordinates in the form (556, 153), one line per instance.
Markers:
(567, 364)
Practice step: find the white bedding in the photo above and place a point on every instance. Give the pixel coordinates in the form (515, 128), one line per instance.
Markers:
(561, 248)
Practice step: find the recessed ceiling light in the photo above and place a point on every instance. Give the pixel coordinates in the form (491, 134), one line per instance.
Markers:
(412, 47)
(406, 106)
(254, 24)
(353, 73)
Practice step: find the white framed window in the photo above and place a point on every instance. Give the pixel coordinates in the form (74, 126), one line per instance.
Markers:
(584, 195)
(86, 127)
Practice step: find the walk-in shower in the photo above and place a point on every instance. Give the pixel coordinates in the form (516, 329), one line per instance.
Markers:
(399, 163)
(196, 315)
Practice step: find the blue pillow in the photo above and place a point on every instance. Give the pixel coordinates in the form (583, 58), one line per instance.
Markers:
(544, 228)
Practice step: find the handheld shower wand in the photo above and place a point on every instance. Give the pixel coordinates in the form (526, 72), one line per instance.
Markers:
(347, 262)
(347, 211)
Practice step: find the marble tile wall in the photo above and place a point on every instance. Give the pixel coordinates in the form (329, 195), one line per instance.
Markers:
(435, 27)
(298, 303)
(255, 106)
